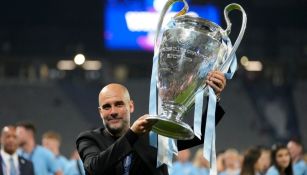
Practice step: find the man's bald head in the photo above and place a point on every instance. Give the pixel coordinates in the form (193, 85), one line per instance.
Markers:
(7, 129)
(111, 89)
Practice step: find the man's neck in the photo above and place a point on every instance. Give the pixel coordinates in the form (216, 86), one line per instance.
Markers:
(7, 152)
(232, 168)
(296, 159)
(119, 134)
(56, 152)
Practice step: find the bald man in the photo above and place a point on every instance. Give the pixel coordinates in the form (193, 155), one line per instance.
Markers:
(118, 149)
(11, 163)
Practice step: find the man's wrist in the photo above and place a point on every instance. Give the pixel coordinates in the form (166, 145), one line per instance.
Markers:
(131, 136)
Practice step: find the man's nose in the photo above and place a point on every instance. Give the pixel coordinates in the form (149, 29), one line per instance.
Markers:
(113, 110)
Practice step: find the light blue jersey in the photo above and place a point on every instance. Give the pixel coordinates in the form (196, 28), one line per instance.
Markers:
(183, 169)
(203, 171)
(300, 168)
(272, 171)
(230, 172)
(75, 167)
(63, 162)
(43, 160)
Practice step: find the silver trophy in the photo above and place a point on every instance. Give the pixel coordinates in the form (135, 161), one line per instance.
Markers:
(188, 48)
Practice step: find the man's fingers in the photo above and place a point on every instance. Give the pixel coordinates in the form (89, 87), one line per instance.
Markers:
(219, 83)
(142, 125)
(144, 122)
(214, 86)
(217, 76)
(143, 117)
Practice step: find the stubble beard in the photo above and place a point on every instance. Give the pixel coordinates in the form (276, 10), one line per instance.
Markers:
(10, 149)
(117, 130)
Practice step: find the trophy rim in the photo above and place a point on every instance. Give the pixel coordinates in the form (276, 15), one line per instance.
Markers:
(201, 21)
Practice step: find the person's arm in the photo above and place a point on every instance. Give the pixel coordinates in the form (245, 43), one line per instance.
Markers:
(52, 163)
(99, 160)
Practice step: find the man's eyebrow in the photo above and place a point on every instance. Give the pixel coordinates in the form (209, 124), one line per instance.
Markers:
(119, 102)
(106, 105)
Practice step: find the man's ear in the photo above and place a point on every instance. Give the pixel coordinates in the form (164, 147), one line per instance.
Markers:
(100, 112)
(131, 105)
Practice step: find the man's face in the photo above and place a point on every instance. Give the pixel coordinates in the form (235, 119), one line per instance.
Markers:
(22, 135)
(115, 108)
(51, 144)
(9, 140)
(231, 160)
(294, 149)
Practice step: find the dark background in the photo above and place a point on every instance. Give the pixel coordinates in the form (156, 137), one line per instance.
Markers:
(262, 107)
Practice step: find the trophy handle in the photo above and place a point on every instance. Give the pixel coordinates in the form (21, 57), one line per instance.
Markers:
(162, 15)
(227, 9)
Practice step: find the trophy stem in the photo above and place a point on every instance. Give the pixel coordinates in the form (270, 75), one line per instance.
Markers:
(170, 124)
(173, 129)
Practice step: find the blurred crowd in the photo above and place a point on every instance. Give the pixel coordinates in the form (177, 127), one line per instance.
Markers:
(21, 155)
(279, 159)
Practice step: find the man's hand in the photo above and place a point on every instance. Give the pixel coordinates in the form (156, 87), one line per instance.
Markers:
(217, 81)
(141, 125)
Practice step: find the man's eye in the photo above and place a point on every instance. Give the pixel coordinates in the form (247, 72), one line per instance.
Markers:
(106, 107)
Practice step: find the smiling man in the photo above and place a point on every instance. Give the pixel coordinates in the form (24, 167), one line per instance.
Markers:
(117, 148)
(115, 107)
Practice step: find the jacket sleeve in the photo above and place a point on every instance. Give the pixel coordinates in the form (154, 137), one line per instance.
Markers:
(99, 158)
(185, 144)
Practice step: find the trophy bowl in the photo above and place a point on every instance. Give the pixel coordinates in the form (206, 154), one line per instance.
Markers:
(188, 52)
(190, 48)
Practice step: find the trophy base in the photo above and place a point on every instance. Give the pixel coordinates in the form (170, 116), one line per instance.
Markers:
(170, 128)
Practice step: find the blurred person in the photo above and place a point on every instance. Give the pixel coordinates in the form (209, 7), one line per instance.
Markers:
(220, 163)
(232, 162)
(281, 161)
(75, 166)
(252, 163)
(183, 165)
(118, 148)
(296, 151)
(241, 157)
(44, 161)
(52, 141)
(11, 163)
(200, 163)
(305, 157)
(265, 159)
